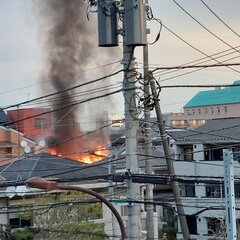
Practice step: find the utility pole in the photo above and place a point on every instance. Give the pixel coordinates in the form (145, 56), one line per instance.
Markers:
(131, 128)
(148, 147)
(171, 171)
(229, 195)
(134, 34)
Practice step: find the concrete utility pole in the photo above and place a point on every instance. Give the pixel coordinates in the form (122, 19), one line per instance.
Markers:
(229, 195)
(134, 34)
(131, 126)
(148, 147)
(171, 171)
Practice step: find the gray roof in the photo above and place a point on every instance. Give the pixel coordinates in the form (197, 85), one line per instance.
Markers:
(46, 165)
(157, 158)
(225, 130)
(3, 117)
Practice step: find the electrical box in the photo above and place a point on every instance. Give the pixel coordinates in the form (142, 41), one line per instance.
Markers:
(107, 24)
(135, 23)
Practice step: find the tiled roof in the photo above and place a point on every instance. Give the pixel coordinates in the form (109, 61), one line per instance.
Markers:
(225, 130)
(157, 157)
(46, 165)
(228, 95)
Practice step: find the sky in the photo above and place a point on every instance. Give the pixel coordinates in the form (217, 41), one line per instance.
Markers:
(22, 56)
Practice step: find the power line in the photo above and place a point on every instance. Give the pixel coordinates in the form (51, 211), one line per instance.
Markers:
(32, 85)
(64, 90)
(219, 18)
(197, 66)
(198, 50)
(191, 16)
(64, 107)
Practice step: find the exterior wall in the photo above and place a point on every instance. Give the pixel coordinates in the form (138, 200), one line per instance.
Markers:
(196, 116)
(198, 205)
(33, 128)
(10, 145)
(214, 111)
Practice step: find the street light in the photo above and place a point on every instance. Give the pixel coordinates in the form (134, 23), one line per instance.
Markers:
(38, 182)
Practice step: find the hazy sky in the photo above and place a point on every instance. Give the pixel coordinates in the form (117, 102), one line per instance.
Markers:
(22, 52)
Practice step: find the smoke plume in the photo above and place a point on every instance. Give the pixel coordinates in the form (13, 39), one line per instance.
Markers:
(71, 45)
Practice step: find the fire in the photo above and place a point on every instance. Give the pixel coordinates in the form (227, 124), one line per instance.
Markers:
(92, 157)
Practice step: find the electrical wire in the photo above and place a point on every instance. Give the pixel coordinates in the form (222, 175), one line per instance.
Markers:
(224, 23)
(41, 82)
(209, 31)
(64, 90)
(193, 47)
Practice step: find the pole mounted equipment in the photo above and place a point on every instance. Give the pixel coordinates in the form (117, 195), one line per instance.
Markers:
(135, 23)
(107, 23)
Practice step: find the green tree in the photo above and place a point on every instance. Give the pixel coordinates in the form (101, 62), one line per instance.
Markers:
(65, 215)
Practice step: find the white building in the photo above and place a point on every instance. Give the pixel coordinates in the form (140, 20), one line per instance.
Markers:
(206, 105)
(199, 162)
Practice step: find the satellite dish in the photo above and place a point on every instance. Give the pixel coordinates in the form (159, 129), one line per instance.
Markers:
(21, 190)
(23, 143)
(27, 149)
(11, 192)
(42, 143)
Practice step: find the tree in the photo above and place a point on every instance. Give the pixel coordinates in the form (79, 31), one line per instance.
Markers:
(65, 215)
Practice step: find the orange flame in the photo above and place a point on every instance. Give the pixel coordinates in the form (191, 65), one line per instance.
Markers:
(93, 157)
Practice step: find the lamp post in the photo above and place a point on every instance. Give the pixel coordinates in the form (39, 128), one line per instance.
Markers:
(38, 182)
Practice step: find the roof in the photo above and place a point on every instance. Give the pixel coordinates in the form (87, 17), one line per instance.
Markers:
(224, 130)
(3, 117)
(157, 157)
(228, 95)
(46, 165)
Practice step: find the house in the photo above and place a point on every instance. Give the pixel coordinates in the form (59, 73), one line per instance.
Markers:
(199, 163)
(13, 144)
(206, 105)
(48, 167)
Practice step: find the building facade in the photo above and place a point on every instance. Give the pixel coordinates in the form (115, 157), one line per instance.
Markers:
(35, 123)
(206, 105)
(199, 162)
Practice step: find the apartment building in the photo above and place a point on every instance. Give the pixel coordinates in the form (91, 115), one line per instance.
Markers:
(205, 105)
(199, 161)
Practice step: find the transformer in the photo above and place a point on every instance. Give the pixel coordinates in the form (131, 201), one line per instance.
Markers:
(107, 24)
(135, 23)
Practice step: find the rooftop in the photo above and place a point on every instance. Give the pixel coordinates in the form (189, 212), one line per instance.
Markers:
(48, 166)
(224, 130)
(227, 95)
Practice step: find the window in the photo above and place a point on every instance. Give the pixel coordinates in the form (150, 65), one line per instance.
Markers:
(218, 109)
(213, 154)
(124, 210)
(212, 110)
(215, 191)
(225, 110)
(199, 111)
(192, 224)
(206, 110)
(237, 190)
(19, 223)
(215, 226)
(187, 190)
(40, 123)
(188, 153)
